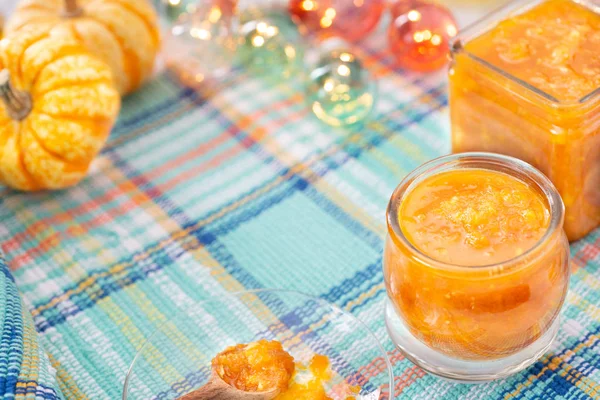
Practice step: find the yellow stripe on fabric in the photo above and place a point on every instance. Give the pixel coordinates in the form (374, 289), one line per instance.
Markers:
(67, 384)
(29, 373)
(584, 383)
(592, 280)
(588, 384)
(217, 271)
(555, 363)
(364, 296)
(588, 308)
(32, 386)
(409, 148)
(256, 132)
(358, 214)
(532, 378)
(72, 268)
(383, 158)
(206, 94)
(157, 360)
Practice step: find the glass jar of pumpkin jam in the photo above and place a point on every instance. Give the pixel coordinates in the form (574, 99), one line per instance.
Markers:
(476, 265)
(525, 82)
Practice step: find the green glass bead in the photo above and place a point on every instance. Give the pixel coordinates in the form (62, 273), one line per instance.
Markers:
(269, 43)
(341, 91)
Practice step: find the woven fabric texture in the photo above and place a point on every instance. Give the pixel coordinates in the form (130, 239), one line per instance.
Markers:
(25, 369)
(200, 192)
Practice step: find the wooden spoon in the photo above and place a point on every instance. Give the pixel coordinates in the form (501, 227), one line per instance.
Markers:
(217, 389)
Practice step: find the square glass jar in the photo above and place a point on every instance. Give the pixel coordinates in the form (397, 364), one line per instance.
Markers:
(493, 110)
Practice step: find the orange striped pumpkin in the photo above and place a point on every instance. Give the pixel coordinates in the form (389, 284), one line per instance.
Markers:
(58, 104)
(123, 33)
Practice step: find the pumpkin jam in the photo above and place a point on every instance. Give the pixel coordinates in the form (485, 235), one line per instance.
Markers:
(313, 389)
(479, 303)
(528, 88)
(264, 365)
(255, 367)
(473, 217)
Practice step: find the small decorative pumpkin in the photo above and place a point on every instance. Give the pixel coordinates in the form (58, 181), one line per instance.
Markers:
(123, 33)
(58, 105)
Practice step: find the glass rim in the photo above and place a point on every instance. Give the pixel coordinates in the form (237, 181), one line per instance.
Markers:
(516, 7)
(238, 294)
(512, 166)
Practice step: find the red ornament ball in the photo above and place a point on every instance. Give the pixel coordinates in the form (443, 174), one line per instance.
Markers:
(419, 35)
(349, 19)
(308, 13)
(228, 7)
(401, 7)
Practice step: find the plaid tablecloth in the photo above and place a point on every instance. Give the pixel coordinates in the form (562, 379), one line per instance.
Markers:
(204, 191)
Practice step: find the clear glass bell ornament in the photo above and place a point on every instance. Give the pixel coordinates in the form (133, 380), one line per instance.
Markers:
(341, 91)
(268, 42)
(200, 43)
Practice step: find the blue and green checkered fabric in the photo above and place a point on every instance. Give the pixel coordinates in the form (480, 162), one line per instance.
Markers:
(202, 192)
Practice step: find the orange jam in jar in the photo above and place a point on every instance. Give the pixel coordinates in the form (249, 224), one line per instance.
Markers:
(473, 217)
(476, 262)
(525, 82)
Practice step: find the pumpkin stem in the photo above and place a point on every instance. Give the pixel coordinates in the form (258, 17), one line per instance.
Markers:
(18, 103)
(72, 9)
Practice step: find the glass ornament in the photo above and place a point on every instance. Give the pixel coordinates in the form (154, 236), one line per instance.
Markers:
(341, 92)
(419, 36)
(268, 43)
(201, 44)
(351, 20)
(172, 10)
(401, 7)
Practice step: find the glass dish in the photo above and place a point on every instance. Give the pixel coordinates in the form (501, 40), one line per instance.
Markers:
(176, 358)
(493, 110)
(483, 322)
